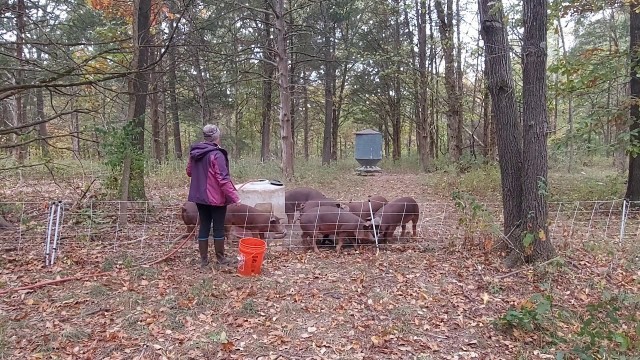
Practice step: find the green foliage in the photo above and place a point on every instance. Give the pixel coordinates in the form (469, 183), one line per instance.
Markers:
(530, 316)
(606, 329)
(602, 334)
(475, 217)
(528, 239)
(117, 144)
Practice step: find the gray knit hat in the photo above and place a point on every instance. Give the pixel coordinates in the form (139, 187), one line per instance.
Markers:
(210, 131)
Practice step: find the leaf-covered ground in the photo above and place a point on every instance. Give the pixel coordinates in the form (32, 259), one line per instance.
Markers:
(419, 300)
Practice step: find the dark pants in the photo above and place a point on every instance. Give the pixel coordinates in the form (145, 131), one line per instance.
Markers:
(211, 214)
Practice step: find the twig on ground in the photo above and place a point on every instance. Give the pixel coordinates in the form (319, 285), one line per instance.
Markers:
(526, 268)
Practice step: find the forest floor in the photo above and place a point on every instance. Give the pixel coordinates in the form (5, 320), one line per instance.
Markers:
(419, 299)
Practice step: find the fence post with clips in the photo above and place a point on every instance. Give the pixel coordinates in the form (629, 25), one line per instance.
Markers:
(56, 211)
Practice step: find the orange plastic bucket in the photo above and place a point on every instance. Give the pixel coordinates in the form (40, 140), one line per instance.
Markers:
(251, 256)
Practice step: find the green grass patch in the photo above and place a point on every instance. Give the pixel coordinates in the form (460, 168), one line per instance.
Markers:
(99, 291)
(4, 342)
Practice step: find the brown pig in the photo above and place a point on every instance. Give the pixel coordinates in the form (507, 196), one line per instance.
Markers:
(189, 215)
(329, 220)
(254, 221)
(397, 212)
(361, 208)
(293, 200)
(250, 219)
(312, 204)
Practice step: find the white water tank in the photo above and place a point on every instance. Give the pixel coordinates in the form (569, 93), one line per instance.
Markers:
(264, 194)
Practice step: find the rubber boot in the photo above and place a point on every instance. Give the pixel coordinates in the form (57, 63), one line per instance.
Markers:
(203, 246)
(222, 260)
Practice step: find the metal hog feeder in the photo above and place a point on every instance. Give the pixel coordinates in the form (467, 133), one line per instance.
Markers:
(368, 151)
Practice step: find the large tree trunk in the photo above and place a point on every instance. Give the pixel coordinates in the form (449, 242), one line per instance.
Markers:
(328, 89)
(537, 245)
(633, 181)
(503, 104)
(139, 87)
(454, 132)
(267, 89)
(285, 97)
(173, 97)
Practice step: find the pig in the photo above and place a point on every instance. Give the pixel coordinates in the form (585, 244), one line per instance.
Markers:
(397, 212)
(250, 219)
(293, 199)
(189, 215)
(253, 221)
(328, 220)
(312, 204)
(361, 208)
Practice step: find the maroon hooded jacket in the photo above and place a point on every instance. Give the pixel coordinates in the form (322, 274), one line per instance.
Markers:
(208, 168)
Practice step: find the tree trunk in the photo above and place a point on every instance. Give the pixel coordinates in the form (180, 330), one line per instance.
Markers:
(454, 132)
(267, 86)
(164, 117)
(396, 124)
(503, 104)
(423, 128)
(328, 90)
(154, 104)
(536, 245)
(459, 84)
(633, 180)
(305, 113)
(285, 97)
(40, 115)
(173, 97)
(293, 91)
(139, 87)
(570, 103)
(334, 111)
(432, 120)
(20, 117)
(42, 128)
(346, 38)
(75, 130)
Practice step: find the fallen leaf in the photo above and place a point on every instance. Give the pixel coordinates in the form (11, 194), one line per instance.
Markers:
(228, 346)
(485, 298)
(377, 341)
(311, 329)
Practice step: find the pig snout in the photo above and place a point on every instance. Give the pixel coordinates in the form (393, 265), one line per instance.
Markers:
(279, 235)
(276, 228)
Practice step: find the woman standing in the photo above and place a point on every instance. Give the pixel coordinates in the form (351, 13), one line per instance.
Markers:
(212, 190)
